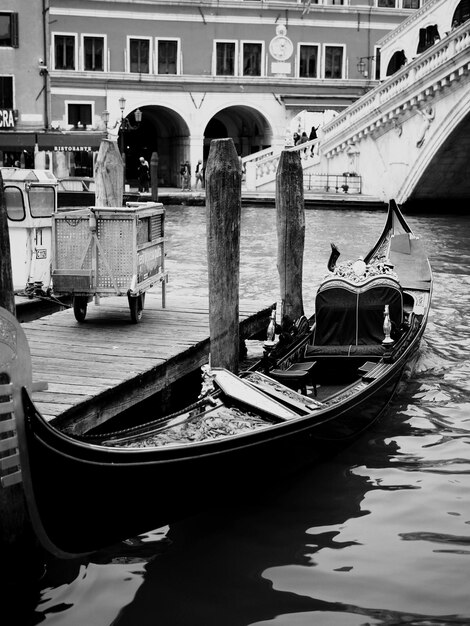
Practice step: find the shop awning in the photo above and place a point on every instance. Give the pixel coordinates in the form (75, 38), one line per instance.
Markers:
(70, 142)
(17, 141)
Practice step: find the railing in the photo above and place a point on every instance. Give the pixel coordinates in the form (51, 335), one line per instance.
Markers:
(260, 168)
(348, 182)
(258, 156)
(384, 96)
(76, 184)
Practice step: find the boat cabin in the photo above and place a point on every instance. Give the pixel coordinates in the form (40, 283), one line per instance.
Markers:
(31, 200)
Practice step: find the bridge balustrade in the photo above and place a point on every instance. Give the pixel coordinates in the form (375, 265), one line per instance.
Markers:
(410, 78)
(260, 168)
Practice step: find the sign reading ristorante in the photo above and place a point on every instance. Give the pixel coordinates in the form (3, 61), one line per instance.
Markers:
(7, 118)
(69, 142)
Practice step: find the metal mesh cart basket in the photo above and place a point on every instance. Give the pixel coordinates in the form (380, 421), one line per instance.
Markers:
(103, 251)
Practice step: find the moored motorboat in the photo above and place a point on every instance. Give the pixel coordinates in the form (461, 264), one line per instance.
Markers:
(244, 431)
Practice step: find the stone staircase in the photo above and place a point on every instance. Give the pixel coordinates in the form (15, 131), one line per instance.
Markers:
(260, 171)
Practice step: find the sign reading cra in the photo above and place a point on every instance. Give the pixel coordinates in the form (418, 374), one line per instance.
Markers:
(7, 118)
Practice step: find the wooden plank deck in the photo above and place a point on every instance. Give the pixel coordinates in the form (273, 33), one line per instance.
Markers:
(96, 369)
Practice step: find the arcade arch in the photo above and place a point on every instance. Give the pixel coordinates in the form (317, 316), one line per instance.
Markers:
(161, 130)
(248, 128)
(164, 131)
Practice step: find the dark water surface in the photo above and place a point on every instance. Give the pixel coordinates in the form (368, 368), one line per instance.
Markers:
(378, 535)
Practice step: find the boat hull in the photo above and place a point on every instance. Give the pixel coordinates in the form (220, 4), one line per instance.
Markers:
(83, 496)
(92, 496)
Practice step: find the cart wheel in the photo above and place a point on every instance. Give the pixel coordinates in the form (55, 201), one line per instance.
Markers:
(136, 306)
(79, 307)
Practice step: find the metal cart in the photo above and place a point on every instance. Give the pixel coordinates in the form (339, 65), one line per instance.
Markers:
(104, 251)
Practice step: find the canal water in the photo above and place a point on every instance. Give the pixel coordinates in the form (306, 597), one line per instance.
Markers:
(380, 534)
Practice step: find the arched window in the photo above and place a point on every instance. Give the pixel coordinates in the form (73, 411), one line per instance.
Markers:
(397, 61)
(462, 13)
(427, 38)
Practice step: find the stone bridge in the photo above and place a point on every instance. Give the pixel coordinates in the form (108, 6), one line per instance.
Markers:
(408, 138)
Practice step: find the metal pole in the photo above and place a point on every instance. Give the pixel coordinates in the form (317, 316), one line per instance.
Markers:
(123, 155)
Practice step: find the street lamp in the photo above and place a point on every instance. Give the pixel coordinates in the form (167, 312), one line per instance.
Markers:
(125, 124)
(361, 65)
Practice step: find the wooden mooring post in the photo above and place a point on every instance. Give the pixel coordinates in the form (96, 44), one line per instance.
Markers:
(109, 175)
(223, 215)
(154, 176)
(290, 220)
(7, 295)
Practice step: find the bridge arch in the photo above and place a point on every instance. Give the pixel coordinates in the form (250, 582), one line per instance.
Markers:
(441, 170)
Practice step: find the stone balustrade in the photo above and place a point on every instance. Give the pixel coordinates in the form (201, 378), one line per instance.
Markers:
(260, 169)
(412, 85)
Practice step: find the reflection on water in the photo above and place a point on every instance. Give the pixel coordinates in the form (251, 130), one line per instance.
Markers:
(378, 535)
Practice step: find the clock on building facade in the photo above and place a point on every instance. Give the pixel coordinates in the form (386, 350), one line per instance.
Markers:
(281, 47)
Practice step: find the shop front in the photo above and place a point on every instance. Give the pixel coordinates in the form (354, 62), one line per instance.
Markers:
(17, 149)
(69, 155)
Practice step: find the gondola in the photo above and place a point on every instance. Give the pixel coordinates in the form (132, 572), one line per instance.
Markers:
(249, 431)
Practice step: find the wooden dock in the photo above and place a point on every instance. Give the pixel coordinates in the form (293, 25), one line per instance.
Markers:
(98, 368)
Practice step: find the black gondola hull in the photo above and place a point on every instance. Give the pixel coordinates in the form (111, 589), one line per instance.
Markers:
(92, 496)
(82, 497)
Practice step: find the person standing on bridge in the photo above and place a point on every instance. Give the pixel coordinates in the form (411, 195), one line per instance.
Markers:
(303, 139)
(313, 135)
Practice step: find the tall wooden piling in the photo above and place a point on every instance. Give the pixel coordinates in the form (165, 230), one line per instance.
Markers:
(223, 215)
(7, 295)
(109, 175)
(290, 219)
(154, 176)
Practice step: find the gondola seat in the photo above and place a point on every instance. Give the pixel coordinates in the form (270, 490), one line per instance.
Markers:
(349, 317)
(296, 380)
(371, 350)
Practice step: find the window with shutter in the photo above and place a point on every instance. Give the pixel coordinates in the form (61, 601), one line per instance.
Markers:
(14, 30)
(8, 30)
(6, 92)
(79, 114)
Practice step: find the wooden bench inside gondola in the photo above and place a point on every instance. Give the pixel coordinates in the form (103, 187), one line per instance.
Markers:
(297, 376)
(242, 392)
(349, 325)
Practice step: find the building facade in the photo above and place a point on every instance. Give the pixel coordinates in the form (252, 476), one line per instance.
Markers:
(168, 77)
(21, 109)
